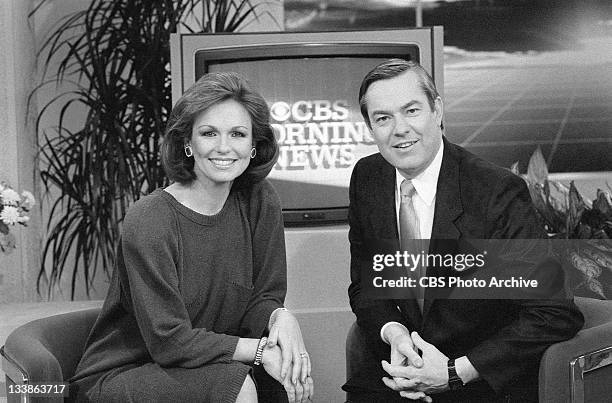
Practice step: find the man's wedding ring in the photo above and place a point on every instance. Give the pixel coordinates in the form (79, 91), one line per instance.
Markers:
(304, 354)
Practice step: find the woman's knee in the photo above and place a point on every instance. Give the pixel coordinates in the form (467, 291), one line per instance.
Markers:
(248, 392)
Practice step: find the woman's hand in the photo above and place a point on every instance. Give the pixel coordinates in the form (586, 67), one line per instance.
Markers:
(300, 392)
(285, 331)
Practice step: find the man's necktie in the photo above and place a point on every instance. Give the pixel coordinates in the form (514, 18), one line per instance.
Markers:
(410, 234)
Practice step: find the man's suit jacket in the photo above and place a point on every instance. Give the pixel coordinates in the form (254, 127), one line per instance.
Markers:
(503, 339)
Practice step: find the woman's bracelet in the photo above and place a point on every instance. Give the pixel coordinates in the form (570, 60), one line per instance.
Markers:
(259, 352)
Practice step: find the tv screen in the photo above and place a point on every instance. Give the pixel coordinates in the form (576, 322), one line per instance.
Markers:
(311, 83)
(316, 118)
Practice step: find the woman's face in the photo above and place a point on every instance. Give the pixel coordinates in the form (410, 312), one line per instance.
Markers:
(221, 140)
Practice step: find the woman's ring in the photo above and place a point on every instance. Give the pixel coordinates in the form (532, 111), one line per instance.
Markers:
(304, 354)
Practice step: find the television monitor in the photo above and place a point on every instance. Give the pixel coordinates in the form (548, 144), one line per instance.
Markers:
(311, 82)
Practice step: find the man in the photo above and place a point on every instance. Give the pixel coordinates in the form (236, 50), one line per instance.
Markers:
(470, 350)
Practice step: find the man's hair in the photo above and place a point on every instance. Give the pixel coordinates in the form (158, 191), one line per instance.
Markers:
(390, 69)
(212, 89)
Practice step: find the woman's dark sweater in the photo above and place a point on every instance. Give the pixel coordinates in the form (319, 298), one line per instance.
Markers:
(187, 286)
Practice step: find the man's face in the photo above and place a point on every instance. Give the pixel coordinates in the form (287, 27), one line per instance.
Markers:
(405, 128)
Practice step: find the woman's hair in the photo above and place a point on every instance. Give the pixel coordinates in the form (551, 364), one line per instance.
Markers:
(212, 89)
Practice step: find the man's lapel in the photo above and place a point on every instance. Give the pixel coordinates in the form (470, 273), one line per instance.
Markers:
(384, 214)
(448, 197)
(448, 209)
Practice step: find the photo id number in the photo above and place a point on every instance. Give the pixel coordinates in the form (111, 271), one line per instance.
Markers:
(47, 389)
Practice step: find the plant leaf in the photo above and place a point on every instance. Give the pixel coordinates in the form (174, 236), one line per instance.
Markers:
(114, 57)
(595, 286)
(8, 242)
(515, 168)
(4, 229)
(603, 203)
(537, 172)
(576, 208)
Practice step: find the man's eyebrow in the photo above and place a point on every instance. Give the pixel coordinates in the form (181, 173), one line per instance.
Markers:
(405, 106)
(412, 103)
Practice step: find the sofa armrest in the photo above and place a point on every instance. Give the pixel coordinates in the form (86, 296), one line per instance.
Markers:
(46, 350)
(14, 376)
(33, 358)
(12, 370)
(17, 375)
(564, 365)
(355, 354)
(49, 349)
(35, 364)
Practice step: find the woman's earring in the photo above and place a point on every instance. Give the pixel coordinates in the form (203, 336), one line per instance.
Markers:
(188, 151)
(253, 152)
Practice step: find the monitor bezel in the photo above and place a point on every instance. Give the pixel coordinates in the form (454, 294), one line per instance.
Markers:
(307, 216)
(424, 46)
(245, 53)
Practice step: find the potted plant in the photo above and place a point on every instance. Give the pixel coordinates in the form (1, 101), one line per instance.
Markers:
(582, 227)
(115, 59)
(14, 210)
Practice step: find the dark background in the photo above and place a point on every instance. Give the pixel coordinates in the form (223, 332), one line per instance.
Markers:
(519, 74)
(508, 25)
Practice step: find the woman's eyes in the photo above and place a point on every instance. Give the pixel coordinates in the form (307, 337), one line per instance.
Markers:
(212, 134)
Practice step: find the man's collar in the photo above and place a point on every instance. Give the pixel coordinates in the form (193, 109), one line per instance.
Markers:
(426, 182)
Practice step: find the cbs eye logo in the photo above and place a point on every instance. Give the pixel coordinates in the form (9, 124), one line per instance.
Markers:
(304, 111)
(280, 111)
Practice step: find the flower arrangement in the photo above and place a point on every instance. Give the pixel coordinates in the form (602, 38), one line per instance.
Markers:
(584, 228)
(13, 211)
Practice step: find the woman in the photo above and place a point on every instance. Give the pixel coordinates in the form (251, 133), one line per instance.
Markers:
(201, 271)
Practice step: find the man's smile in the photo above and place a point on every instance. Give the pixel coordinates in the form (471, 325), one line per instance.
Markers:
(405, 144)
